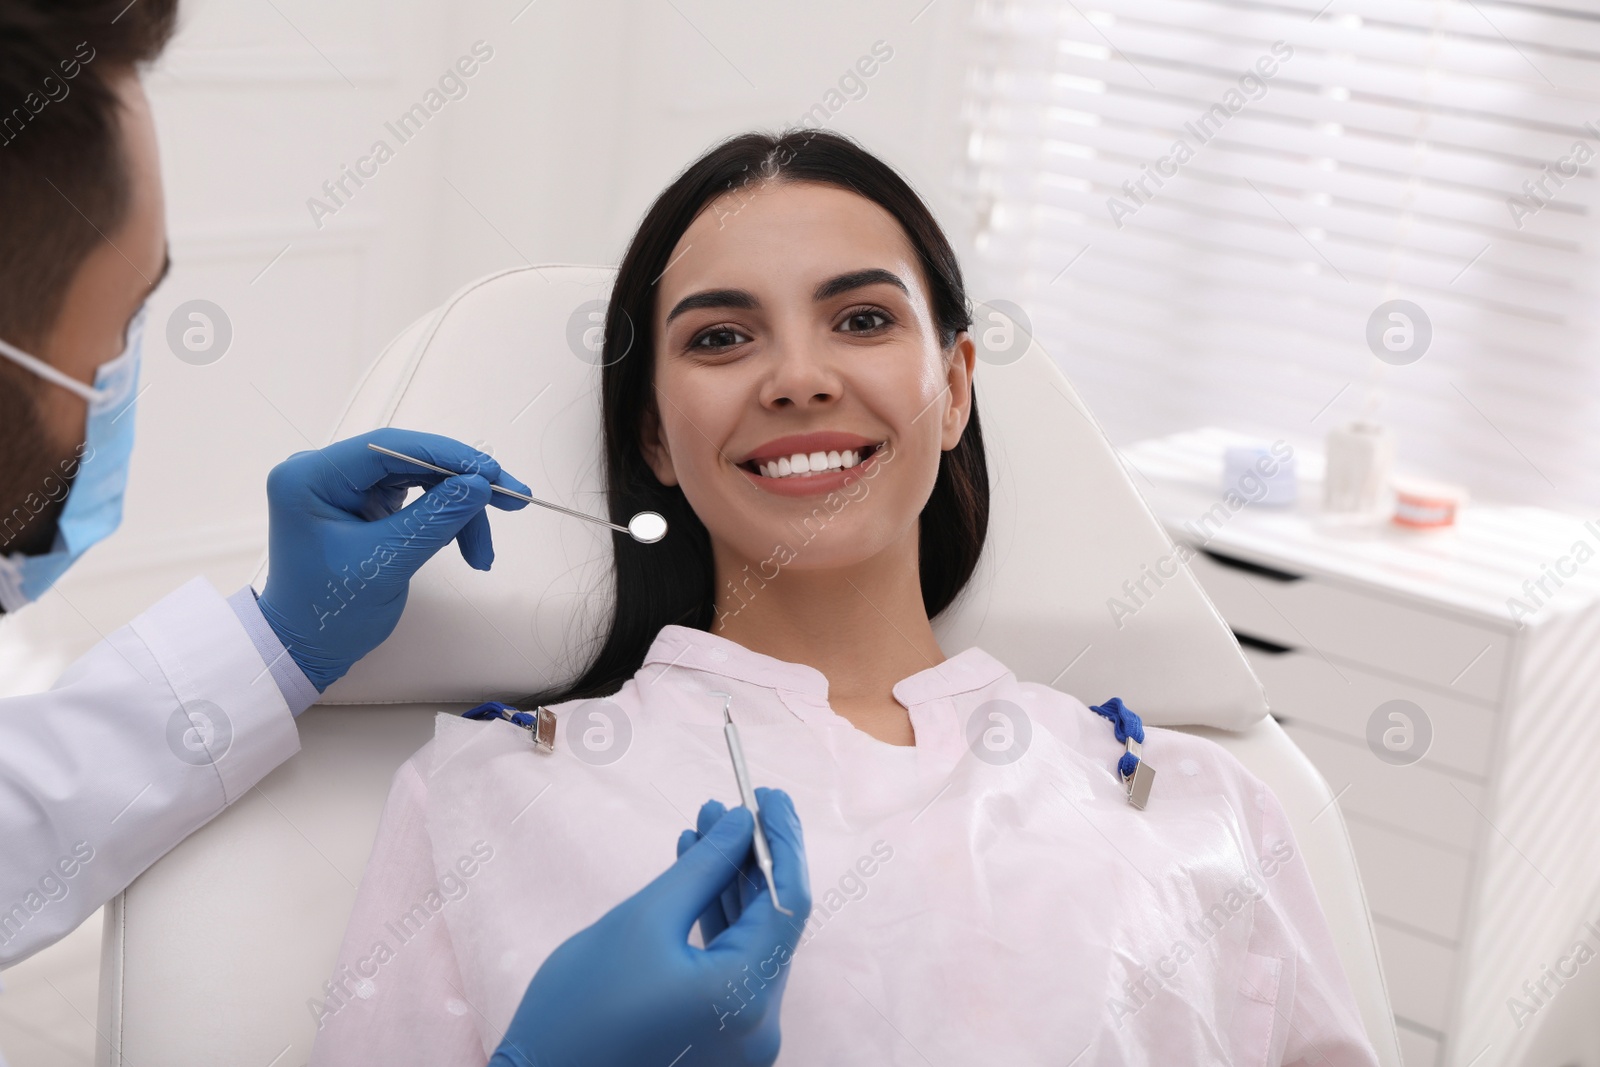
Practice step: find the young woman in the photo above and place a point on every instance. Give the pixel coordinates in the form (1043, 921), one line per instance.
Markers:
(788, 379)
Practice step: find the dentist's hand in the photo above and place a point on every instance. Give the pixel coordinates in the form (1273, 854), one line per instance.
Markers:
(631, 990)
(342, 550)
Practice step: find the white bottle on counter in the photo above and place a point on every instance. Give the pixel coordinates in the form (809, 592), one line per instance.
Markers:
(1360, 456)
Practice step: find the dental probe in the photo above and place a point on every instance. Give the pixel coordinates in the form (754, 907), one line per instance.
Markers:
(647, 527)
(741, 774)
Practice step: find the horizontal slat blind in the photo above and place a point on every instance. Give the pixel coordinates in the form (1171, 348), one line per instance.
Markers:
(1376, 163)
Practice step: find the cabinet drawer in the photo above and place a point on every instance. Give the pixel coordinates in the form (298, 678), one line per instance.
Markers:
(1302, 685)
(1350, 624)
(1420, 974)
(1415, 799)
(1413, 883)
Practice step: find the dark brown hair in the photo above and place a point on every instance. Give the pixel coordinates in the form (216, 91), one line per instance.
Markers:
(673, 581)
(62, 171)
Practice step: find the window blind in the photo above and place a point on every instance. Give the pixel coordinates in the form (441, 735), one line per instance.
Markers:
(1201, 204)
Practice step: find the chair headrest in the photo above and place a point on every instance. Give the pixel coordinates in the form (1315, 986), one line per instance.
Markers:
(508, 364)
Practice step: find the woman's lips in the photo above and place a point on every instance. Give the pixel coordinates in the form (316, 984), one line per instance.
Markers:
(812, 484)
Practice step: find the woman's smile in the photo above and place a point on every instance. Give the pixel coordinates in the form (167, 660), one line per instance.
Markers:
(808, 464)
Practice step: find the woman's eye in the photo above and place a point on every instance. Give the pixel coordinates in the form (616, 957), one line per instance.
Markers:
(865, 320)
(717, 337)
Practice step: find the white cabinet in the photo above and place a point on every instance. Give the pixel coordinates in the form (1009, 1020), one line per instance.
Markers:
(1481, 855)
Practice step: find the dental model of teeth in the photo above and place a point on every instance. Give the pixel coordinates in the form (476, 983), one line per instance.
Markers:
(814, 463)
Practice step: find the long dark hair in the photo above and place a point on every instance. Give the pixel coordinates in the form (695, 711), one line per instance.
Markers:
(673, 581)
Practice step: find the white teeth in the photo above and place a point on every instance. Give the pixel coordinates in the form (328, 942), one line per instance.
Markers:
(803, 463)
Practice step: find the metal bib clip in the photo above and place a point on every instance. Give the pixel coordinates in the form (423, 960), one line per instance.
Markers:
(1137, 776)
(1140, 780)
(540, 723)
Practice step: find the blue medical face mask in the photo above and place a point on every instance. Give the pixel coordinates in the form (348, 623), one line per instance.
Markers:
(94, 504)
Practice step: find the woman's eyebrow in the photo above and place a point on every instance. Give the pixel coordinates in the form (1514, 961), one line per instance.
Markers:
(858, 279)
(740, 298)
(714, 298)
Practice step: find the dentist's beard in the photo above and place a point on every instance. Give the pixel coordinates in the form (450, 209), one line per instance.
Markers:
(29, 468)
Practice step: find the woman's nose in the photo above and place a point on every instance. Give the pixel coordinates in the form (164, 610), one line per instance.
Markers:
(800, 375)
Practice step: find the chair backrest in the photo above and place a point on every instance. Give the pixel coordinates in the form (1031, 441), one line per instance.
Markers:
(509, 364)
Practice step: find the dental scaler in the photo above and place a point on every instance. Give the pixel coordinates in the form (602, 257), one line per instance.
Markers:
(747, 793)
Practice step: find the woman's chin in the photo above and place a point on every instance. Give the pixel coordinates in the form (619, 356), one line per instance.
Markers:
(806, 544)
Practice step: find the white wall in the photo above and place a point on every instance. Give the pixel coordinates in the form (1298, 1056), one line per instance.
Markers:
(599, 107)
(581, 116)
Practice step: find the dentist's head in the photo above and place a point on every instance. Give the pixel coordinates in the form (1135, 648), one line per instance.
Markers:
(82, 245)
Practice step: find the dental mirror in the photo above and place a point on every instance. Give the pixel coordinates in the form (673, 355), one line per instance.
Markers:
(647, 527)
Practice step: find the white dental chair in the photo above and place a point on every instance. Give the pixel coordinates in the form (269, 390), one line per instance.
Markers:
(212, 955)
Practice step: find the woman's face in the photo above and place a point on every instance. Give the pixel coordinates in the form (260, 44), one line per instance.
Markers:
(793, 320)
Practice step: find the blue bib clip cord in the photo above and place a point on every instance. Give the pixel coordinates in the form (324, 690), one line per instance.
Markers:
(540, 723)
(1135, 773)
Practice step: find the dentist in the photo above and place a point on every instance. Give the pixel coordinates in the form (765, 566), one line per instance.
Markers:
(165, 722)
(173, 717)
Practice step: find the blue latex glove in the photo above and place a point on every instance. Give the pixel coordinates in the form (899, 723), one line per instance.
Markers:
(725, 909)
(342, 549)
(631, 990)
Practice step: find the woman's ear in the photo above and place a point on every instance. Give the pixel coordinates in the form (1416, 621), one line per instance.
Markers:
(654, 446)
(962, 359)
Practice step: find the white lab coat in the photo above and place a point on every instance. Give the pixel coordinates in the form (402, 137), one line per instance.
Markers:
(98, 780)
